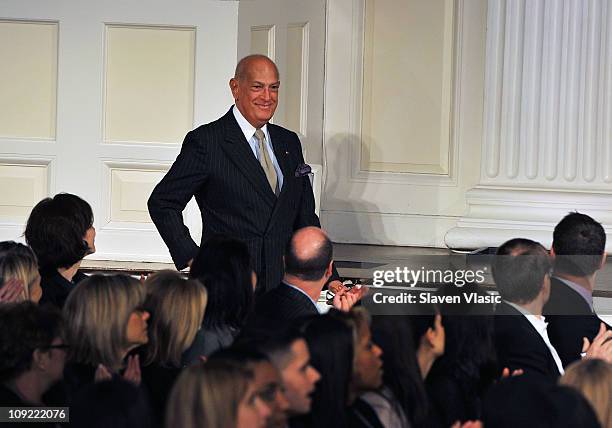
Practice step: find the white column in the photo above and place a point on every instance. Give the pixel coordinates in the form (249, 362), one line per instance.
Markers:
(547, 139)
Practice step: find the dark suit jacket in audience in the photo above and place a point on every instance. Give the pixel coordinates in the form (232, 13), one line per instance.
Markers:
(569, 318)
(284, 305)
(520, 346)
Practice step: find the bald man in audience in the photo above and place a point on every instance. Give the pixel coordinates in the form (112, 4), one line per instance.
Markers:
(308, 266)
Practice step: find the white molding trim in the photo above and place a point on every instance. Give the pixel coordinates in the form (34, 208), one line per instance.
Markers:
(386, 229)
(497, 214)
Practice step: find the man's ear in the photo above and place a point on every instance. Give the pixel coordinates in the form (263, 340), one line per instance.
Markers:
(330, 269)
(233, 84)
(545, 286)
(552, 252)
(603, 260)
(40, 359)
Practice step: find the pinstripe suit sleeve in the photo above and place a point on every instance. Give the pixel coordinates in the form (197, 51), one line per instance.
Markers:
(169, 198)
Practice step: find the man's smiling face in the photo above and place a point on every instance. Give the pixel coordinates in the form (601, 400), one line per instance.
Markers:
(256, 91)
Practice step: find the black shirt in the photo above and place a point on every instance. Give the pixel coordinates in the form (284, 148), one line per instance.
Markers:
(56, 288)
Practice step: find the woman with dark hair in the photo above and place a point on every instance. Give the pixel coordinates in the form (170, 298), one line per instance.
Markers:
(459, 379)
(341, 350)
(331, 343)
(402, 401)
(223, 265)
(60, 232)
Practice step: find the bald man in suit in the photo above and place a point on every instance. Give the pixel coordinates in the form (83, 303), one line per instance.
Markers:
(248, 177)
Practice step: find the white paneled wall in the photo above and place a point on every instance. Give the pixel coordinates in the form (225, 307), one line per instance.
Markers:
(95, 99)
(547, 121)
(403, 116)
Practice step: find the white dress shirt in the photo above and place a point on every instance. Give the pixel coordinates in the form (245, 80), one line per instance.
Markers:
(249, 134)
(539, 323)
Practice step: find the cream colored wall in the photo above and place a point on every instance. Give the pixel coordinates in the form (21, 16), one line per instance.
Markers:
(403, 117)
(407, 81)
(28, 79)
(149, 82)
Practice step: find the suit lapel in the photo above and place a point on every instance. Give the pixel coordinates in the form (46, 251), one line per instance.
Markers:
(238, 150)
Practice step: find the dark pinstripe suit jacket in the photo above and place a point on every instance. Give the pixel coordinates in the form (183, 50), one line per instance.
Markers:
(217, 165)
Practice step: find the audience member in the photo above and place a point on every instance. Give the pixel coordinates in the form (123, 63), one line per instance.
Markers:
(308, 266)
(367, 369)
(32, 353)
(268, 384)
(572, 410)
(521, 272)
(402, 401)
(216, 394)
(289, 353)
(19, 267)
(105, 320)
(460, 377)
(113, 403)
(330, 398)
(60, 232)
(176, 306)
(250, 367)
(593, 378)
(430, 337)
(534, 402)
(578, 252)
(353, 368)
(223, 266)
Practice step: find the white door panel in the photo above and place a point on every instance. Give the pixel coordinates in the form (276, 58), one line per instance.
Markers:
(187, 49)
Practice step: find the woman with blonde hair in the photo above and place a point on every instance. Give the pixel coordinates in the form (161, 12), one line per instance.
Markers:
(105, 320)
(593, 378)
(177, 309)
(18, 264)
(216, 394)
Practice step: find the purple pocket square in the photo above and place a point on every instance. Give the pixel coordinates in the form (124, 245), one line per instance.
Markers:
(302, 170)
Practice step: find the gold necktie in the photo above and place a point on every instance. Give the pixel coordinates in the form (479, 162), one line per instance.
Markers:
(266, 162)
